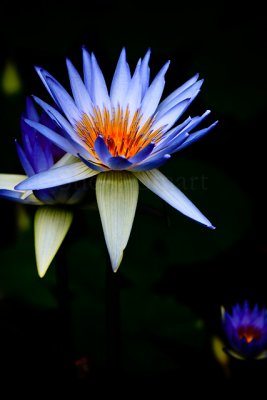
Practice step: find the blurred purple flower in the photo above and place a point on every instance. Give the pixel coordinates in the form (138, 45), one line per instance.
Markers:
(246, 331)
(38, 154)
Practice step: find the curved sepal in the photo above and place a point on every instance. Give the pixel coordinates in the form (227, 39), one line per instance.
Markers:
(51, 225)
(117, 195)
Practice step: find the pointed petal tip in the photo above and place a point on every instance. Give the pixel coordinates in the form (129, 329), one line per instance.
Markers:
(115, 263)
(166, 66)
(41, 272)
(38, 68)
(85, 50)
(115, 267)
(50, 228)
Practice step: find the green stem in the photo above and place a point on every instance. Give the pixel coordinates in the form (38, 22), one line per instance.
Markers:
(66, 339)
(113, 328)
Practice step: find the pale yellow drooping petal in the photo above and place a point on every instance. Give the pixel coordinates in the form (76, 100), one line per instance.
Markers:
(117, 195)
(51, 225)
(9, 181)
(7, 184)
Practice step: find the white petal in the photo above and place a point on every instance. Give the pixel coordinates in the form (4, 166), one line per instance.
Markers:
(9, 181)
(58, 176)
(51, 225)
(117, 195)
(165, 189)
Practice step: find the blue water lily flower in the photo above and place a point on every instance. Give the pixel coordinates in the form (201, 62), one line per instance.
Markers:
(122, 135)
(246, 331)
(38, 154)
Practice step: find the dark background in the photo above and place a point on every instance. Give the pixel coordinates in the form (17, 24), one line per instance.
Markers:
(175, 274)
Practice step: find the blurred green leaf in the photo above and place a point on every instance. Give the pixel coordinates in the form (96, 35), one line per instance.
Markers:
(10, 80)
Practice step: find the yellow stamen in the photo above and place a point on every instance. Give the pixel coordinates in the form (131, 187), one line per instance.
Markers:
(121, 137)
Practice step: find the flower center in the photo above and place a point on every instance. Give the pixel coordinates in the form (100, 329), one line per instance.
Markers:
(123, 135)
(249, 333)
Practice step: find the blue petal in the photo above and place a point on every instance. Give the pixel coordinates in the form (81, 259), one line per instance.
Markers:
(118, 163)
(65, 101)
(61, 121)
(31, 111)
(87, 70)
(79, 91)
(142, 154)
(59, 140)
(27, 137)
(57, 176)
(24, 160)
(145, 73)
(192, 91)
(153, 94)
(133, 95)
(92, 165)
(197, 135)
(176, 92)
(38, 158)
(196, 121)
(99, 92)
(120, 81)
(101, 149)
(170, 135)
(11, 195)
(43, 74)
(153, 163)
(171, 116)
(170, 147)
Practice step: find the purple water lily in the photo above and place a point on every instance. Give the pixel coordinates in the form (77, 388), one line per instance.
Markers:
(121, 135)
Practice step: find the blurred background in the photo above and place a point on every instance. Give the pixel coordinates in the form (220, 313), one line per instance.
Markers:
(175, 275)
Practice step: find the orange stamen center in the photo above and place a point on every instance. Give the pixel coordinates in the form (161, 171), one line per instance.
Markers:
(249, 333)
(123, 137)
